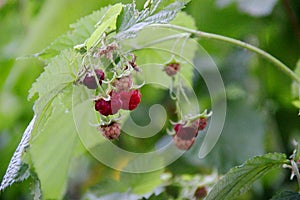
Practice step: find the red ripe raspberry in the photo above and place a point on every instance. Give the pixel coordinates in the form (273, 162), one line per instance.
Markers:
(123, 84)
(106, 108)
(172, 68)
(184, 137)
(103, 106)
(130, 99)
(200, 123)
(111, 131)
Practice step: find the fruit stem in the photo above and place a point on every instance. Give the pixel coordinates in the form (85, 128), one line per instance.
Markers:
(285, 69)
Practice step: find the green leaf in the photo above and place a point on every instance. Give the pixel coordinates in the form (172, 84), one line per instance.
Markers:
(239, 179)
(287, 195)
(132, 21)
(54, 147)
(81, 31)
(59, 73)
(107, 22)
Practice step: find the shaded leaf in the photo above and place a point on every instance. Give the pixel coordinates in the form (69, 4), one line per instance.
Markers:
(239, 179)
(287, 195)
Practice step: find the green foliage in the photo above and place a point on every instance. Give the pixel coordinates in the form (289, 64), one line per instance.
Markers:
(54, 139)
(286, 195)
(60, 73)
(239, 179)
(130, 23)
(107, 23)
(54, 146)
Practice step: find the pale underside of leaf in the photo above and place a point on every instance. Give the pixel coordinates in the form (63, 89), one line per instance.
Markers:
(133, 22)
(15, 163)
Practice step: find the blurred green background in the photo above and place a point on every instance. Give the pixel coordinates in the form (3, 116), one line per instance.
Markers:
(260, 115)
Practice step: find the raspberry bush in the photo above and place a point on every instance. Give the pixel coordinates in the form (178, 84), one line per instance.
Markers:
(90, 116)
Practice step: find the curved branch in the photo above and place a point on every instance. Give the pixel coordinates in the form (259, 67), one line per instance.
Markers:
(281, 66)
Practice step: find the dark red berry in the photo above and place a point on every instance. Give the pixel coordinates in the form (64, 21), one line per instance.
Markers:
(100, 75)
(200, 193)
(123, 84)
(89, 81)
(103, 106)
(201, 123)
(184, 136)
(111, 131)
(106, 108)
(172, 68)
(130, 99)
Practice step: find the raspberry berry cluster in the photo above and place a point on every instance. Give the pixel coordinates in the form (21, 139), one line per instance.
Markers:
(122, 97)
(114, 88)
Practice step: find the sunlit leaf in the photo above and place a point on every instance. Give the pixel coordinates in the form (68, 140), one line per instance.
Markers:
(108, 21)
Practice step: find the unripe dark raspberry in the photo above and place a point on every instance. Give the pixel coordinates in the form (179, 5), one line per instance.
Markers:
(123, 84)
(171, 69)
(100, 75)
(111, 131)
(130, 99)
(200, 193)
(90, 81)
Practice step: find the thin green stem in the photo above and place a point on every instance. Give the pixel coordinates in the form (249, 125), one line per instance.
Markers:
(281, 66)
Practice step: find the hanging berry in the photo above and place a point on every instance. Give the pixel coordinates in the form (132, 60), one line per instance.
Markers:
(172, 68)
(111, 131)
(90, 81)
(184, 136)
(108, 107)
